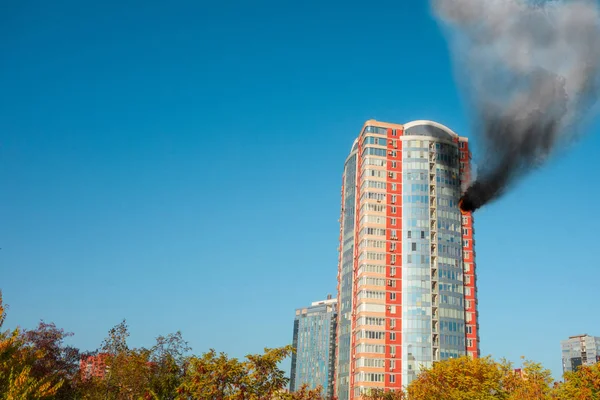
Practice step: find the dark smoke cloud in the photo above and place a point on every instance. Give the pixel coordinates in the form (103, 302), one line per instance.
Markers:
(531, 73)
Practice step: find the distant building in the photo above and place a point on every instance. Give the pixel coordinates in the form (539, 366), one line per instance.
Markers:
(93, 366)
(580, 350)
(520, 372)
(314, 341)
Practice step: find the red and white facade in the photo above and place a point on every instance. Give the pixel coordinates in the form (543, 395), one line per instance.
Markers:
(406, 277)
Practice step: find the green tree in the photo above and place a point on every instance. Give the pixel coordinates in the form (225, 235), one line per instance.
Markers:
(128, 370)
(168, 360)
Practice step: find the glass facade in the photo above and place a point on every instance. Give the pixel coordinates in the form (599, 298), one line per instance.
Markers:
(416, 270)
(433, 319)
(346, 275)
(314, 341)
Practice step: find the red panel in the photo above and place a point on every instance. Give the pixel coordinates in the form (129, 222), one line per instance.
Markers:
(469, 259)
(394, 167)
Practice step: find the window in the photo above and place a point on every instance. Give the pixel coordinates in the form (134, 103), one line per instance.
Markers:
(465, 243)
(467, 267)
(393, 259)
(394, 186)
(394, 233)
(409, 259)
(370, 348)
(392, 323)
(467, 254)
(370, 362)
(392, 335)
(422, 234)
(393, 210)
(392, 309)
(377, 335)
(392, 246)
(394, 164)
(393, 199)
(392, 349)
(408, 234)
(469, 329)
(414, 247)
(393, 221)
(392, 296)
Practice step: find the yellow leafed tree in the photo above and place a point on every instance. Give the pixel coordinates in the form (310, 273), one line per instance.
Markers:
(466, 378)
(583, 384)
(16, 380)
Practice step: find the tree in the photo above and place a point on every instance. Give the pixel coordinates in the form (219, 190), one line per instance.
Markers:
(116, 341)
(168, 358)
(462, 378)
(468, 378)
(304, 393)
(17, 381)
(380, 394)
(213, 376)
(55, 358)
(128, 370)
(532, 382)
(216, 376)
(582, 384)
(264, 378)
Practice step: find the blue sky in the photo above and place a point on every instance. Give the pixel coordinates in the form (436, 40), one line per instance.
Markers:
(179, 165)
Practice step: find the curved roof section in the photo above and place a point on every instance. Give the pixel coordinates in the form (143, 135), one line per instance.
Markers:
(429, 128)
(354, 146)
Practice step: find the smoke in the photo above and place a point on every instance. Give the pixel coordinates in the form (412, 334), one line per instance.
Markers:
(531, 74)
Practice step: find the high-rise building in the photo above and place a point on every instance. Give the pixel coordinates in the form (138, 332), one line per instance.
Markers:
(314, 340)
(406, 277)
(580, 350)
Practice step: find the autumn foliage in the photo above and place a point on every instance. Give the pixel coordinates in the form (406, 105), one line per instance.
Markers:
(37, 364)
(466, 378)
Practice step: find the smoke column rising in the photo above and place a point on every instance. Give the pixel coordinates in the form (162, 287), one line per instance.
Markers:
(530, 71)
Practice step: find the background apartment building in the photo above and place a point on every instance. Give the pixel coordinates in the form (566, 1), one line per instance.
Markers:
(580, 350)
(406, 275)
(314, 340)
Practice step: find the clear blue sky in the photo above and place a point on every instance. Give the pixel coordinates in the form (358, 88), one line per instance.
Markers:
(179, 165)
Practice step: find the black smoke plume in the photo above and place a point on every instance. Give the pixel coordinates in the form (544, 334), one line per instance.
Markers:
(530, 71)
